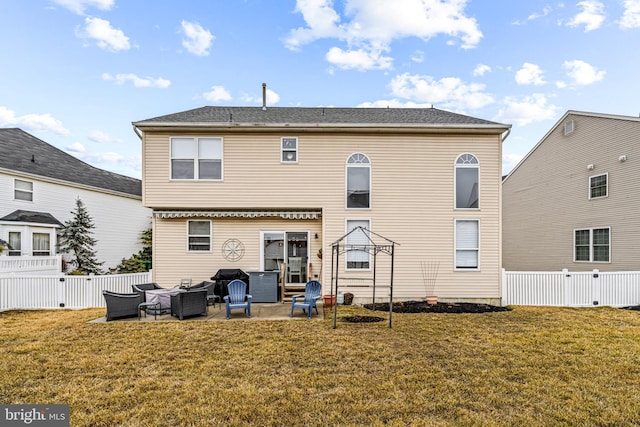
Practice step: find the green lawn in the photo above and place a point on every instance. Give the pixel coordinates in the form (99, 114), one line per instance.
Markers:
(528, 366)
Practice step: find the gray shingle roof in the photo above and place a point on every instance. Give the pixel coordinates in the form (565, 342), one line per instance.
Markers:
(23, 152)
(32, 217)
(329, 116)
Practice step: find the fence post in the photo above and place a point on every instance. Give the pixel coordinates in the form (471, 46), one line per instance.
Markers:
(595, 286)
(504, 298)
(566, 279)
(62, 300)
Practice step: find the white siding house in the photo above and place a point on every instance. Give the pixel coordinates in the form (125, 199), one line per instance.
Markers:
(39, 185)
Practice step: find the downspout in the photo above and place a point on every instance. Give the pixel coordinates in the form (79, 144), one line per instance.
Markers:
(504, 137)
(137, 132)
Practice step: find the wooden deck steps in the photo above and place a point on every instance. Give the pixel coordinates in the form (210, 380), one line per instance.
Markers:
(291, 290)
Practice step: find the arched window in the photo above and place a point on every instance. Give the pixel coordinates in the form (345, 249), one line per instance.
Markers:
(466, 182)
(358, 183)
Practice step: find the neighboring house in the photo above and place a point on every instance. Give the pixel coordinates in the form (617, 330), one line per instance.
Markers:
(251, 188)
(574, 201)
(39, 185)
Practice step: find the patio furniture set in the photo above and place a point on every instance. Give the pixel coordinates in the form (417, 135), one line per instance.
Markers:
(187, 301)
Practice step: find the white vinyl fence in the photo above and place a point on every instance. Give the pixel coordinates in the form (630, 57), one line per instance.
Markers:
(571, 289)
(59, 291)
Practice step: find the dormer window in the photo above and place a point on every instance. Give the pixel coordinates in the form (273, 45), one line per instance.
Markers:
(289, 150)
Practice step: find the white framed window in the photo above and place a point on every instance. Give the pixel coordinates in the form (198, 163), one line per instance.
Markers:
(467, 238)
(598, 186)
(358, 182)
(592, 245)
(15, 241)
(569, 126)
(197, 158)
(357, 244)
(467, 188)
(23, 190)
(289, 149)
(41, 244)
(199, 235)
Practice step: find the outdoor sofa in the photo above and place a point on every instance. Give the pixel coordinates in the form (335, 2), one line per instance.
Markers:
(189, 303)
(122, 305)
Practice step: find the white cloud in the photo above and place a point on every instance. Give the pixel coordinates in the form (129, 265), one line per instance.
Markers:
(197, 39)
(76, 147)
(217, 94)
(358, 59)
(526, 110)
(272, 98)
(392, 103)
(592, 15)
(583, 73)
(529, 74)
(98, 136)
(121, 79)
(481, 70)
(370, 26)
(32, 122)
(79, 6)
(418, 56)
(509, 161)
(106, 37)
(545, 11)
(536, 15)
(449, 91)
(631, 16)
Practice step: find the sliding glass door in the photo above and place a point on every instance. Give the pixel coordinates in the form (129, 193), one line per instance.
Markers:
(290, 247)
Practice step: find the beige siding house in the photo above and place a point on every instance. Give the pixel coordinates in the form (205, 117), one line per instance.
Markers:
(573, 201)
(259, 188)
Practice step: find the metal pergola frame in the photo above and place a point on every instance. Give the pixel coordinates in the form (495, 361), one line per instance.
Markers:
(340, 247)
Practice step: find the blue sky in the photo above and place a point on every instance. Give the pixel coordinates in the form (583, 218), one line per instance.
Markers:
(76, 73)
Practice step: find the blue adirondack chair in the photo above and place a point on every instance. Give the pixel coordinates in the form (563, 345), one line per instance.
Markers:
(238, 297)
(310, 296)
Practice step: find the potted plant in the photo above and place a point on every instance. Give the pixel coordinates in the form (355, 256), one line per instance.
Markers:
(329, 300)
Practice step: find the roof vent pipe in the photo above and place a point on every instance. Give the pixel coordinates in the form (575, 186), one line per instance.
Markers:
(264, 97)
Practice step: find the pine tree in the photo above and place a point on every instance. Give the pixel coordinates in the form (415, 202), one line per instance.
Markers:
(76, 238)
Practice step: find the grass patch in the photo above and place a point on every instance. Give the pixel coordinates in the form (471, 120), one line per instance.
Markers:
(528, 366)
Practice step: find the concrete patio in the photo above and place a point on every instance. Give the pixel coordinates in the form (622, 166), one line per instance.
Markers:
(259, 311)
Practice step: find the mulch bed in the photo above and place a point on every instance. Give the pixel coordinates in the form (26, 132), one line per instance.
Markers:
(441, 307)
(362, 319)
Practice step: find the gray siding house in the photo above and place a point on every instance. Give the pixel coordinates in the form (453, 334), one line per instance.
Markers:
(574, 200)
(39, 185)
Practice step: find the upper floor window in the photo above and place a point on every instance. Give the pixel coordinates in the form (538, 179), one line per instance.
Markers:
(199, 236)
(592, 245)
(196, 158)
(358, 182)
(466, 182)
(23, 190)
(598, 186)
(568, 127)
(357, 244)
(467, 244)
(41, 244)
(289, 148)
